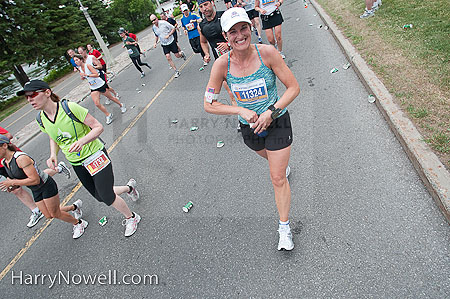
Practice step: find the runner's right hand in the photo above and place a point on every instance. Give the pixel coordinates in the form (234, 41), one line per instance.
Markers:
(52, 162)
(249, 115)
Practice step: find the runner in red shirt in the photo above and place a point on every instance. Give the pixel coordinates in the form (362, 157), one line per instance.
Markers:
(97, 55)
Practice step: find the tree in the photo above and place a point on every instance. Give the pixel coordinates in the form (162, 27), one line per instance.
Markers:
(133, 14)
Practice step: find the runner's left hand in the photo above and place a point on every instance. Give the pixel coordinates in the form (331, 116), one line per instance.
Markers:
(76, 146)
(263, 122)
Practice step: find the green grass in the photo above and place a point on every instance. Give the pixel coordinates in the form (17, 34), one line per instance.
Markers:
(440, 142)
(12, 106)
(417, 113)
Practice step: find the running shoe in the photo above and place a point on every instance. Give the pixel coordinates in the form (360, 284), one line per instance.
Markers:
(123, 109)
(367, 14)
(77, 213)
(260, 40)
(64, 169)
(107, 102)
(288, 171)
(239, 127)
(282, 55)
(117, 95)
(34, 218)
(177, 74)
(285, 242)
(183, 55)
(142, 75)
(109, 119)
(133, 194)
(78, 229)
(205, 63)
(131, 224)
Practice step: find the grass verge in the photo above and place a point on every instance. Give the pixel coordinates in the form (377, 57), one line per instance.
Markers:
(414, 64)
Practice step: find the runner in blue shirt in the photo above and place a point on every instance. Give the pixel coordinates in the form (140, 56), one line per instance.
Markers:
(189, 21)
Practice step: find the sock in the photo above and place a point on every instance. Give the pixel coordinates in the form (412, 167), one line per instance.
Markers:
(283, 223)
(75, 207)
(132, 215)
(35, 210)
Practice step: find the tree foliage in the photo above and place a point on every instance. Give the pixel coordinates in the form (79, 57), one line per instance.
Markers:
(34, 31)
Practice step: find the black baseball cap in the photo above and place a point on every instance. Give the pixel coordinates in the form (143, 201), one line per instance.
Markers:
(202, 1)
(33, 85)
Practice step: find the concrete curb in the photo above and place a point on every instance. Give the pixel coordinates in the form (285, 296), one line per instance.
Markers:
(82, 91)
(430, 169)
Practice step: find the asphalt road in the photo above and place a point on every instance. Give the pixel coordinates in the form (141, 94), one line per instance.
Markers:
(364, 225)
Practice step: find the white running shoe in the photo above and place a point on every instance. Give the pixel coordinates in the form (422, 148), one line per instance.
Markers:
(123, 109)
(282, 55)
(78, 229)
(183, 55)
(205, 63)
(109, 119)
(107, 102)
(133, 194)
(64, 169)
(367, 14)
(142, 75)
(78, 212)
(285, 241)
(288, 171)
(177, 74)
(117, 95)
(34, 218)
(131, 224)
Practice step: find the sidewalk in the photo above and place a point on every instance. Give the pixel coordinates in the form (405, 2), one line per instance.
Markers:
(82, 90)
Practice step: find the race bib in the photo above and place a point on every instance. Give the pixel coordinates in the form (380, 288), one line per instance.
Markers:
(265, 2)
(96, 162)
(250, 93)
(220, 53)
(92, 82)
(190, 26)
(130, 51)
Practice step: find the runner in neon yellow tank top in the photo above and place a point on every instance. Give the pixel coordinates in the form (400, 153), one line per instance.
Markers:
(79, 142)
(251, 72)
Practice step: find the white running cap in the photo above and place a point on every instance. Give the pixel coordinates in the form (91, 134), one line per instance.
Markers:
(233, 16)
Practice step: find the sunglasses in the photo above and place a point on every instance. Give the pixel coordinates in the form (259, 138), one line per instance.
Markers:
(34, 94)
(153, 20)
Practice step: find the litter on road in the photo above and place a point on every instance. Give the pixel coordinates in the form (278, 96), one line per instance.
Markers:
(334, 70)
(187, 207)
(174, 121)
(347, 66)
(220, 143)
(103, 221)
(406, 26)
(194, 128)
(371, 98)
(201, 69)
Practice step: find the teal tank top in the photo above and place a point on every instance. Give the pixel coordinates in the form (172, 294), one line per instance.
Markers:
(256, 91)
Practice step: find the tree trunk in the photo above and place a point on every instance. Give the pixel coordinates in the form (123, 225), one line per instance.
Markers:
(20, 75)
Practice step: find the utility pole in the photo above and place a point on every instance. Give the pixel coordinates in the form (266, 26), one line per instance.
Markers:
(97, 35)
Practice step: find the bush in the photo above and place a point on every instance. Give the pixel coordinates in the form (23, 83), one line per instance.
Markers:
(8, 102)
(55, 74)
(176, 11)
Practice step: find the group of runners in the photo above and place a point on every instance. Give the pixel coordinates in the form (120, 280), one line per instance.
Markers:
(248, 71)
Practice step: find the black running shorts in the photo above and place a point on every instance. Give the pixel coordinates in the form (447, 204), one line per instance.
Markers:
(271, 21)
(170, 48)
(49, 189)
(279, 137)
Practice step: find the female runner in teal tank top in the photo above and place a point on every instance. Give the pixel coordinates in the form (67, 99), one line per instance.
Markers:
(251, 73)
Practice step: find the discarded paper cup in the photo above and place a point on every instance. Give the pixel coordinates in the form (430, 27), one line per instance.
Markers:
(187, 207)
(194, 128)
(334, 70)
(201, 69)
(347, 66)
(371, 99)
(220, 143)
(103, 221)
(406, 26)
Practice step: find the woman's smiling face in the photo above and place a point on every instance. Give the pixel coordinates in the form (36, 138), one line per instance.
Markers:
(239, 36)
